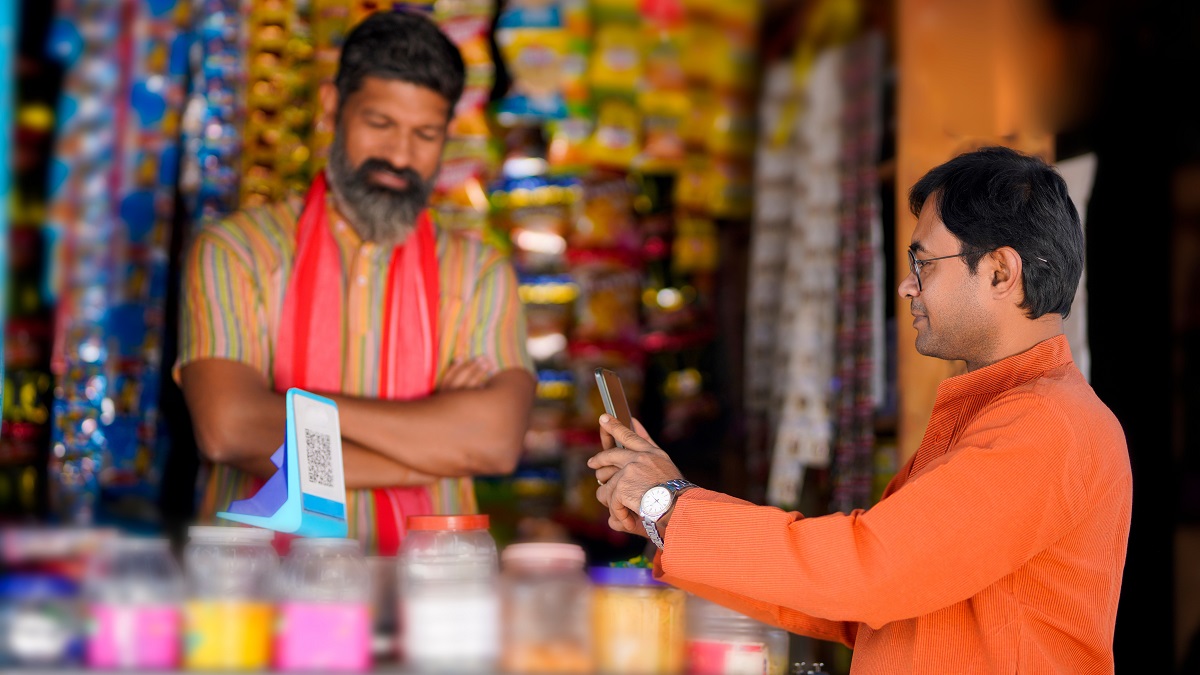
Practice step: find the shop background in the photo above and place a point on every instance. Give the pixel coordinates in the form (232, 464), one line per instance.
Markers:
(674, 275)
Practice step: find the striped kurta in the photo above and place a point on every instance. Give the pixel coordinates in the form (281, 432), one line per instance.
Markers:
(999, 548)
(235, 277)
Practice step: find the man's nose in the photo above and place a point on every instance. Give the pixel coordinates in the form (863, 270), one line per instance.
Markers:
(908, 287)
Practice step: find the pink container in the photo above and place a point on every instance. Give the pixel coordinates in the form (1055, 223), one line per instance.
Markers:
(324, 608)
(323, 636)
(134, 592)
(137, 637)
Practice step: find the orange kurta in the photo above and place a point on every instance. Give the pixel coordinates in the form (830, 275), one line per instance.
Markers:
(998, 548)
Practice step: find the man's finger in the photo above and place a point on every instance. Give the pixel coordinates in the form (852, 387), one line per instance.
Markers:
(604, 493)
(623, 434)
(617, 457)
(605, 473)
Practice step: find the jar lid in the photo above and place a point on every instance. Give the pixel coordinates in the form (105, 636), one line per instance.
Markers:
(537, 552)
(473, 522)
(222, 533)
(624, 576)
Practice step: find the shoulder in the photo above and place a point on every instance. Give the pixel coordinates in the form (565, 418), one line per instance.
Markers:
(464, 259)
(258, 236)
(1058, 412)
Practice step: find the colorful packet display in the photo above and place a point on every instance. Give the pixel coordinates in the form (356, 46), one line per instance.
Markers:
(537, 213)
(533, 42)
(616, 141)
(609, 295)
(279, 57)
(212, 126)
(468, 23)
(549, 301)
(112, 199)
(606, 217)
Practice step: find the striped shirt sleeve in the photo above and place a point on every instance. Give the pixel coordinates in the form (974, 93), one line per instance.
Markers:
(221, 310)
(496, 318)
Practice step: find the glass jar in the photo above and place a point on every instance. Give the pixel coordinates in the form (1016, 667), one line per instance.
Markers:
(721, 641)
(229, 615)
(449, 600)
(546, 600)
(134, 591)
(324, 610)
(638, 623)
(40, 626)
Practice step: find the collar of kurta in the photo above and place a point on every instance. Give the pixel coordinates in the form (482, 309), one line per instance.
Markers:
(1009, 372)
(309, 348)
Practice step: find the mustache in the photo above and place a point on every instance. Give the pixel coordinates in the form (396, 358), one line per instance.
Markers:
(915, 308)
(374, 164)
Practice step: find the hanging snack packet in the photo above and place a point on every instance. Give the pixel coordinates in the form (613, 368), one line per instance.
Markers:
(533, 43)
(616, 140)
(609, 295)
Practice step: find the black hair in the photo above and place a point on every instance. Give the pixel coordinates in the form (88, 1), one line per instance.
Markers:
(401, 46)
(995, 197)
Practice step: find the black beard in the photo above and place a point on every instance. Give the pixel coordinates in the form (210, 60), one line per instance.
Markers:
(380, 214)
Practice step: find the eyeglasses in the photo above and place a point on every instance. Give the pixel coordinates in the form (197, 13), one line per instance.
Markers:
(914, 264)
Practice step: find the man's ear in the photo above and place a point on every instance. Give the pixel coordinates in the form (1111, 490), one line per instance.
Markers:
(328, 96)
(1005, 264)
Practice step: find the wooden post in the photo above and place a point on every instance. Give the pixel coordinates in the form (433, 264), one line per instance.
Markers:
(968, 77)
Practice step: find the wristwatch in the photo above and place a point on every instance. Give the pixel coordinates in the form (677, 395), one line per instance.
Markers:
(656, 502)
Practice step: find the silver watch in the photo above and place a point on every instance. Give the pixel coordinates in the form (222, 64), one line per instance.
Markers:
(656, 502)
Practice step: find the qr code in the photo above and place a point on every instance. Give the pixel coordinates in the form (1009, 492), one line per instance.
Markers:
(320, 458)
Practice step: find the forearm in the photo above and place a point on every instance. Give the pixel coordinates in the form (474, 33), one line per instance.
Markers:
(456, 433)
(240, 423)
(365, 470)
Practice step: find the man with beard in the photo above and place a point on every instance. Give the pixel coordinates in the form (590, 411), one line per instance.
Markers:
(999, 547)
(353, 292)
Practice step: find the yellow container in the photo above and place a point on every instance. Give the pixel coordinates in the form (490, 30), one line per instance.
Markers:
(229, 618)
(228, 635)
(638, 623)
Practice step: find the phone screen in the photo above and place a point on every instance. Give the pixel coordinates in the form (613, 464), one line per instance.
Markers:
(613, 395)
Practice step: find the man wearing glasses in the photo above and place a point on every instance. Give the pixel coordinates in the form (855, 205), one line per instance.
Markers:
(1000, 546)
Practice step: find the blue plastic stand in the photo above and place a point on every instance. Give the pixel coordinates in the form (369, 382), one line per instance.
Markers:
(307, 495)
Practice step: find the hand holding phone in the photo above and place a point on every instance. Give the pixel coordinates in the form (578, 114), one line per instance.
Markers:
(613, 395)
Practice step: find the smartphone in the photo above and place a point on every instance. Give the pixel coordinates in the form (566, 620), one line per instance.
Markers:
(613, 395)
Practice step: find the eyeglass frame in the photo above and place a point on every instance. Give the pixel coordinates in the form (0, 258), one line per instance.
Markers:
(914, 263)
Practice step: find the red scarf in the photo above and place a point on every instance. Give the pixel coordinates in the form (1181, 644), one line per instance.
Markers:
(309, 345)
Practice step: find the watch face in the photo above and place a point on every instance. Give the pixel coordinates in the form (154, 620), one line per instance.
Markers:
(656, 501)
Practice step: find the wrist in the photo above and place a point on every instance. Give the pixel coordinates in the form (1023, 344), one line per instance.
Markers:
(658, 505)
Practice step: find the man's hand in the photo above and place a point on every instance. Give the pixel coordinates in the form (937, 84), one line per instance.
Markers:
(469, 374)
(625, 474)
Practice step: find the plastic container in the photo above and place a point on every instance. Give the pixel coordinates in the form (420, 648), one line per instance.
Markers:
(638, 623)
(383, 606)
(134, 590)
(324, 591)
(229, 616)
(40, 623)
(721, 641)
(546, 608)
(449, 612)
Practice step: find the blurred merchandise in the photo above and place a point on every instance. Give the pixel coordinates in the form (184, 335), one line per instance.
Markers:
(40, 624)
(638, 623)
(324, 592)
(134, 590)
(721, 641)
(229, 612)
(449, 595)
(546, 609)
